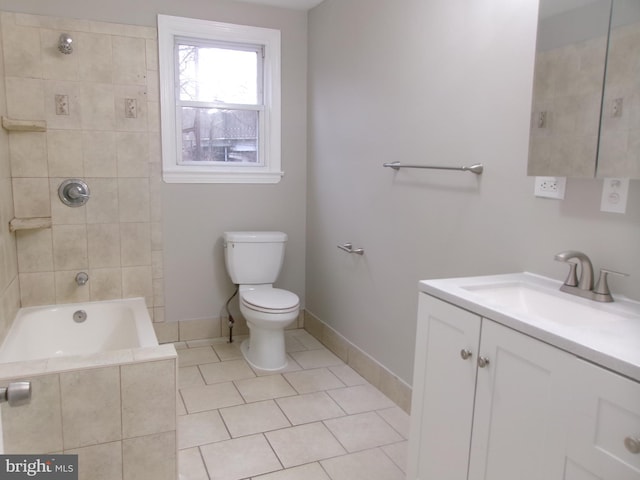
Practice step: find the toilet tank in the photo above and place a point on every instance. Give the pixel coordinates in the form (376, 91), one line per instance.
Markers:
(254, 258)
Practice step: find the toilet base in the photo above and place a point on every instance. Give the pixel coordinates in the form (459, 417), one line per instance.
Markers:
(265, 350)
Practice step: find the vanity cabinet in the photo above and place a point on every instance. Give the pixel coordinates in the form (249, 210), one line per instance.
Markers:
(490, 403)
(487, 400)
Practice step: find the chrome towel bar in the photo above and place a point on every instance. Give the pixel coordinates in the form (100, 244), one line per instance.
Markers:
(476, 168)
(348, 247)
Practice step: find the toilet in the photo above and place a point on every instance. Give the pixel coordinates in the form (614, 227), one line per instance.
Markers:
(254, 261)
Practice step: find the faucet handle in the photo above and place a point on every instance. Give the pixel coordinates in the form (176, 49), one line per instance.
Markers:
(602, 287)
(572, 276)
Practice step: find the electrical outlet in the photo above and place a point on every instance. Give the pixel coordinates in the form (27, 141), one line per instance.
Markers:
(550, 187)
(614, 195)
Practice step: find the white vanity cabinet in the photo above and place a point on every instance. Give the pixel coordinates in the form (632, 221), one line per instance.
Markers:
(488, 402)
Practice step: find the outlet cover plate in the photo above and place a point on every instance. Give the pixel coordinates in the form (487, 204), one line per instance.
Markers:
(614, 195)
(550, 187)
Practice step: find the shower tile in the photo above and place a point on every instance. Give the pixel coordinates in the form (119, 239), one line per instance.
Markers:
(362, 465)
(137, 282)
(25, 98)
(263, 388)
(31, 197)
(132, 151)
(151, 52)
(70, 247)
(35, 427)
(126, 122)
(310, 471)
(195, 356)
(102, 207)
(21, 46)
(67, 290)
(104, 245)
(239, 458)
(37, 289)
(97, 106)
(64, 152)
(152, 456)
(94, 57)
(149, 409)
(35, 250)
(133, 199)
(28, 154)
(316, 358)
(99, 154)
(104, 461)
(55, 65)
(361, 398)
(72, 119)
(90, 406)
(135, 244)
(129, 60)
(226, 371)
(251, 418)
(201, 428)
(311, 407)
(190, 465)
(303, 444)
(105, 283)
(362, 431)
(210, 397)
(62, 214)
(308, 381)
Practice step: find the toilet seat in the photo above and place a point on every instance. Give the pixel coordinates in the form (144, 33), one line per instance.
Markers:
(271, 300)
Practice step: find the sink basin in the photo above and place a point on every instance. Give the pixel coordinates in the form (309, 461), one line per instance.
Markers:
(544, 303)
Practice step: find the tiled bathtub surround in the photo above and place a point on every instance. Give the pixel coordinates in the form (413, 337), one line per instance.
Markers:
(116, 236)
(116, 410)
(318, 420)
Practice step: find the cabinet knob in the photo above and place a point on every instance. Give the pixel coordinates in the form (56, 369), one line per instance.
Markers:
(466, 354)
(483, 362)
(632, 444)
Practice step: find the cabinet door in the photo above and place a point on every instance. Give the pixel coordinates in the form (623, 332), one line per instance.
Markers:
(605, 413)
(443, 390)
(520, 421)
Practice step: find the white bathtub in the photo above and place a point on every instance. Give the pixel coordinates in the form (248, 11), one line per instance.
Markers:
(50, 331)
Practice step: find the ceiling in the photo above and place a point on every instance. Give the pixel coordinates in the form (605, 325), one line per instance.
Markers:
(294, 4)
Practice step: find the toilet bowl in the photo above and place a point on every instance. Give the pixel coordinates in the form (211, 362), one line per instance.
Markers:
(254, 261)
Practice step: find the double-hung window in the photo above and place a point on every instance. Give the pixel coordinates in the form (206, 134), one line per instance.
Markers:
(220, 102)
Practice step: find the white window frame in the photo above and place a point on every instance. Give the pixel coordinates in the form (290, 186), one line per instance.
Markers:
(269, 144)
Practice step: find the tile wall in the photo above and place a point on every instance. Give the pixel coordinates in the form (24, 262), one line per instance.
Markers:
(101, 105)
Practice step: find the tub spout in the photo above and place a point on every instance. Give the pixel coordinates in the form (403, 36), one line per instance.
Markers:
(82, 278)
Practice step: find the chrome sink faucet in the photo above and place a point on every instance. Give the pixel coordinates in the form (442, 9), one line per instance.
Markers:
(583, 287)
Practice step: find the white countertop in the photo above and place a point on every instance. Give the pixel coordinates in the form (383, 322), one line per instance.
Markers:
(613, 345)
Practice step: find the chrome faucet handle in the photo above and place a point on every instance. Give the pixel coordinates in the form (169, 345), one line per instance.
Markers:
(586, 269)
(601, 290)
(572, 277)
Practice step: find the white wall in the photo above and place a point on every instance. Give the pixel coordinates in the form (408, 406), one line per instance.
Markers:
(432, 82)
(196, 284)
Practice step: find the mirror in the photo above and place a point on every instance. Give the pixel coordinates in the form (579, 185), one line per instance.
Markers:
(568, 86)
(619, 154)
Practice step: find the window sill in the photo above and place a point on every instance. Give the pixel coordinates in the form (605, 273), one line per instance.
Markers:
(222, 177)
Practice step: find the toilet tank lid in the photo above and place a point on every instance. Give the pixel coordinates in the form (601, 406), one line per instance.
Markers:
(255, 237)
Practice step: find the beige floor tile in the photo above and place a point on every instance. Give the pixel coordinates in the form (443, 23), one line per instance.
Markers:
(398, 419)
(228, 351)
(191, 465)
(398, 453)
(226, 371)
(180, 408)
(362, 431)
(310, 471)
(305, 338)
(307, 381)
(264, 388)
(189, 377)
(348, 375)
(196, 356)
(292, 344)
(210, 397)
(304, 444)
(360, 398)
(316, 358)
(367, 465)
(239, 458)
(292, 366)
(253, 418)
(311, 407)
(201, 428)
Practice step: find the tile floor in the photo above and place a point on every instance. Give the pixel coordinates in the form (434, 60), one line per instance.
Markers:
(317, 420)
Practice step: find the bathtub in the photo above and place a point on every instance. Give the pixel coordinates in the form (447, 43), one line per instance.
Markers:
(51, 331)
(99, 385)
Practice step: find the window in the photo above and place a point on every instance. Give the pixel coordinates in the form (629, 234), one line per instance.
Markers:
(220, 102)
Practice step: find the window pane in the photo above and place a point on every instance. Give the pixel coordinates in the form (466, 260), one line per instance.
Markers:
(214, 74)
(215, 135)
